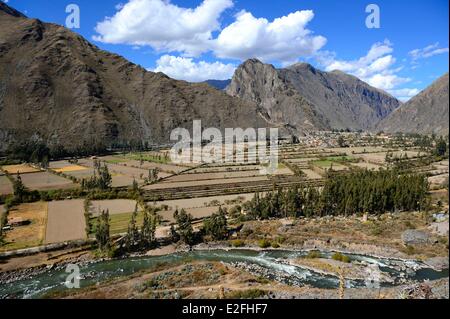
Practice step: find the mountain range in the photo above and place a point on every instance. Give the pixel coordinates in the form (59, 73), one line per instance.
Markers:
(57, 87)
(307, 98)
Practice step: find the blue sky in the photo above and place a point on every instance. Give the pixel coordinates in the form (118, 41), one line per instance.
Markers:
(199, 39)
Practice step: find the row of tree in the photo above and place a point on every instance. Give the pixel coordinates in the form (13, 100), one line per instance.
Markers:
(346, 194)
(40, 152)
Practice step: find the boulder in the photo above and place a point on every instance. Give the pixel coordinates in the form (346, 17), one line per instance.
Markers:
(437, 263)
(415, 237)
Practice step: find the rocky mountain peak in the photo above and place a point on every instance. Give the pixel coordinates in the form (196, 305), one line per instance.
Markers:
(331, 100)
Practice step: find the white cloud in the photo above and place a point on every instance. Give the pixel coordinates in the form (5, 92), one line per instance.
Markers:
(285, 39)
(375, 68)
(170, 28)
(119, 6)
(427, 52)
(163, 25)
(404, 94)
(186, 69)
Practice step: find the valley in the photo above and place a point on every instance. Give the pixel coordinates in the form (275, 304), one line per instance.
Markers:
(347, 199)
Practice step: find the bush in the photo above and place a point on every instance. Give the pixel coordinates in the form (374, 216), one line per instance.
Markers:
(247, 294)
(341, 257)
(410, 250)
(264, 243)
(314, 254)
(275, 245)
(237, 243)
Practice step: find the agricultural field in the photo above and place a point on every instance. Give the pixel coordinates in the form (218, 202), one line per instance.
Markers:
(369, 166)
(310, 174)
(65, 221)
(45, 181)
(32, 233)
(118, 223)
(170, 184)
(124, 172)
(199, 202)
(115, 206)
(21, 169)
(5, 185)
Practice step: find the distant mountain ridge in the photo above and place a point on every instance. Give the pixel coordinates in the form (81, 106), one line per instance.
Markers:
(219, 84)
(426, 113)
(308, 98)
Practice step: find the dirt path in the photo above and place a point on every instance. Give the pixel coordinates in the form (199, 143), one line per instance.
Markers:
(65, 221)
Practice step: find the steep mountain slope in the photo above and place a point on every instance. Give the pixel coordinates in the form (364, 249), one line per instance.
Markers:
(58, 87)
(303, 94)
(426, 113)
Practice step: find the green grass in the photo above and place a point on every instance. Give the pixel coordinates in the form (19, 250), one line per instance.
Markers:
(323, 163)
(118, 223)
(148, 158)
(117, 160)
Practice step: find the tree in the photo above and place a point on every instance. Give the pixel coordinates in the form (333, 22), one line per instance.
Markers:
(184, 229)
(3, 223)
(153, 175)
(341, 141)
(87, 215)
(148, 238)
(102, 232)
(135, 186)
(19, 188)
(441, 147)
(105, 178)
(101, 180)
(216, 226)
(132, 237)
(173, 234)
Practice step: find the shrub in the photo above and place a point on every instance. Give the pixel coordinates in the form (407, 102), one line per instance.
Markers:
(410, 250)
(237, 243)
(341, 257)
(275, 245)
(247, 294)
(264, 243)
(314, 254)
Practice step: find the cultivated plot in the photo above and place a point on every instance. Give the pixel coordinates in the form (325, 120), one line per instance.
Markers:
(168, 184)
(45, 181)
(5, 186)
(65, 221)
(204, 201)
(21, 169)
(114, 206)
(27, 226)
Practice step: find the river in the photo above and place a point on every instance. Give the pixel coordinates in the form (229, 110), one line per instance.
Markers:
(272, 263)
